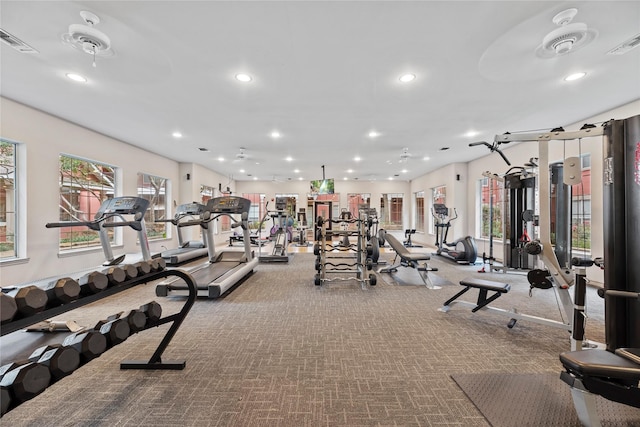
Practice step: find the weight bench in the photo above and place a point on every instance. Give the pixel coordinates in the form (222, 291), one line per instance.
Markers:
(409, 259)
(484, 299)
(614, 376)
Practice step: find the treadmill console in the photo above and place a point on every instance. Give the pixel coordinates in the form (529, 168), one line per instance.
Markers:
(190, 209)
(123, 206)
(228, 205)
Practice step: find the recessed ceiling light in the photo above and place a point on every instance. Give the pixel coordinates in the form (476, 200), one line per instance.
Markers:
(289, 159)
(575, 76)
(404, 171)
(471, 133)
(221, 159)
(357, 159)
(426, 158)
(374, 134)
(406, 78)
(275, 134)
(300, 178)
(296, 171)
(76, 77)
(349, 170)
(242, 77)
(390, 178)
(242, 171)
(176, 135)
(255, 178)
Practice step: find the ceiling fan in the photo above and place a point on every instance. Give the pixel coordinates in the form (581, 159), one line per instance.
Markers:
(405, 155)
(241, 156)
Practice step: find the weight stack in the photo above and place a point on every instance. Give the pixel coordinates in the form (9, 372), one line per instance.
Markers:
(621, 214)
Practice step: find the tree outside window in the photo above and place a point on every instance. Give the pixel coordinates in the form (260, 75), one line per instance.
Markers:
(154, 189)
(8, 200)
(84, 185)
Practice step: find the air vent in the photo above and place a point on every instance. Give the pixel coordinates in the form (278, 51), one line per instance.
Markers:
(16, 43)
(626, 46)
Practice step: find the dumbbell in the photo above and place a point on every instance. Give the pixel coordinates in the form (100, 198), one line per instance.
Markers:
(60, 360)
(62, 291)
(116, 275)
(8, 308)
(24, 380)
(90, 344)
(92, 283)
(130, 271)
(136, 319)
(5, 400)
(152, 311)
(114, 329)
(143, 267)
(29, 299)
(158, 264)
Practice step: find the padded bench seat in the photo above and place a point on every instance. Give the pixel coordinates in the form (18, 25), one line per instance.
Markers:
(602, 363)
(486, 284)
(483, 287)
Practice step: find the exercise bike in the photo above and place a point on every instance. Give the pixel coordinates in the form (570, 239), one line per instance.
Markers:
(462, 251)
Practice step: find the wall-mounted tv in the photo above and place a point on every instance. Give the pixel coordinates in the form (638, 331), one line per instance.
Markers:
(322, 186)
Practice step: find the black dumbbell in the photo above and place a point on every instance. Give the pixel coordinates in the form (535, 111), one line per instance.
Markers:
(152, 311)
(115, 330)
(29, 299)
(136, 319)
(158, 264)
(130, 271)
(90, 344)
(5, 400)
(116, 275)
(143, 267)
(92, 283)
(62, 291)
(8, 308)
(60, 360)
(25, 380)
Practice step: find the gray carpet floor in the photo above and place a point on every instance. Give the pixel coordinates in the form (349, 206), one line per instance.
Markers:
(279, 351)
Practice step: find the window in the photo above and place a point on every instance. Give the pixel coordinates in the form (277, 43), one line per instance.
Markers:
(154, 189)
(391, 211)
(581, 212)
(207, 193)
(84, 185)
(292, 202)
(491, 197)
(419, 213)
(356, 200)
(438, 195)
(8, 200)
(257, 210)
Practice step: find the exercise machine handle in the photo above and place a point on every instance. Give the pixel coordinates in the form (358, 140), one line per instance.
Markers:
(618, 294)
(94, 225)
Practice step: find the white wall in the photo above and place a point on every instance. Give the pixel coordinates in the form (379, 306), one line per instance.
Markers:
(44, 138)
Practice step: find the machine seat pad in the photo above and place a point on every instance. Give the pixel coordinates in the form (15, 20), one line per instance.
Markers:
(600, 363)
(632, 354)
(403, 252)
(486, 284)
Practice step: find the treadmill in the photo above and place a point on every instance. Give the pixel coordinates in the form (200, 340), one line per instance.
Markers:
(225, 269)
(191, 249)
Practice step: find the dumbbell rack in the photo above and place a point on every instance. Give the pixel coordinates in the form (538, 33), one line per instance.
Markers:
(327, 264)
(155, 362)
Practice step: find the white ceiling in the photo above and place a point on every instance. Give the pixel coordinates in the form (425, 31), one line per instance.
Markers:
(325, 74)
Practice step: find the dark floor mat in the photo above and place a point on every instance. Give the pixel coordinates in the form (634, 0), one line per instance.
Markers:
(516, 400)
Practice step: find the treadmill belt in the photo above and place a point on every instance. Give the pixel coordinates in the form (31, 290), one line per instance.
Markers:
(204, 277)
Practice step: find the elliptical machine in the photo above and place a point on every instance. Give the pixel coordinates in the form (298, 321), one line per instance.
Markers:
(462, 251)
